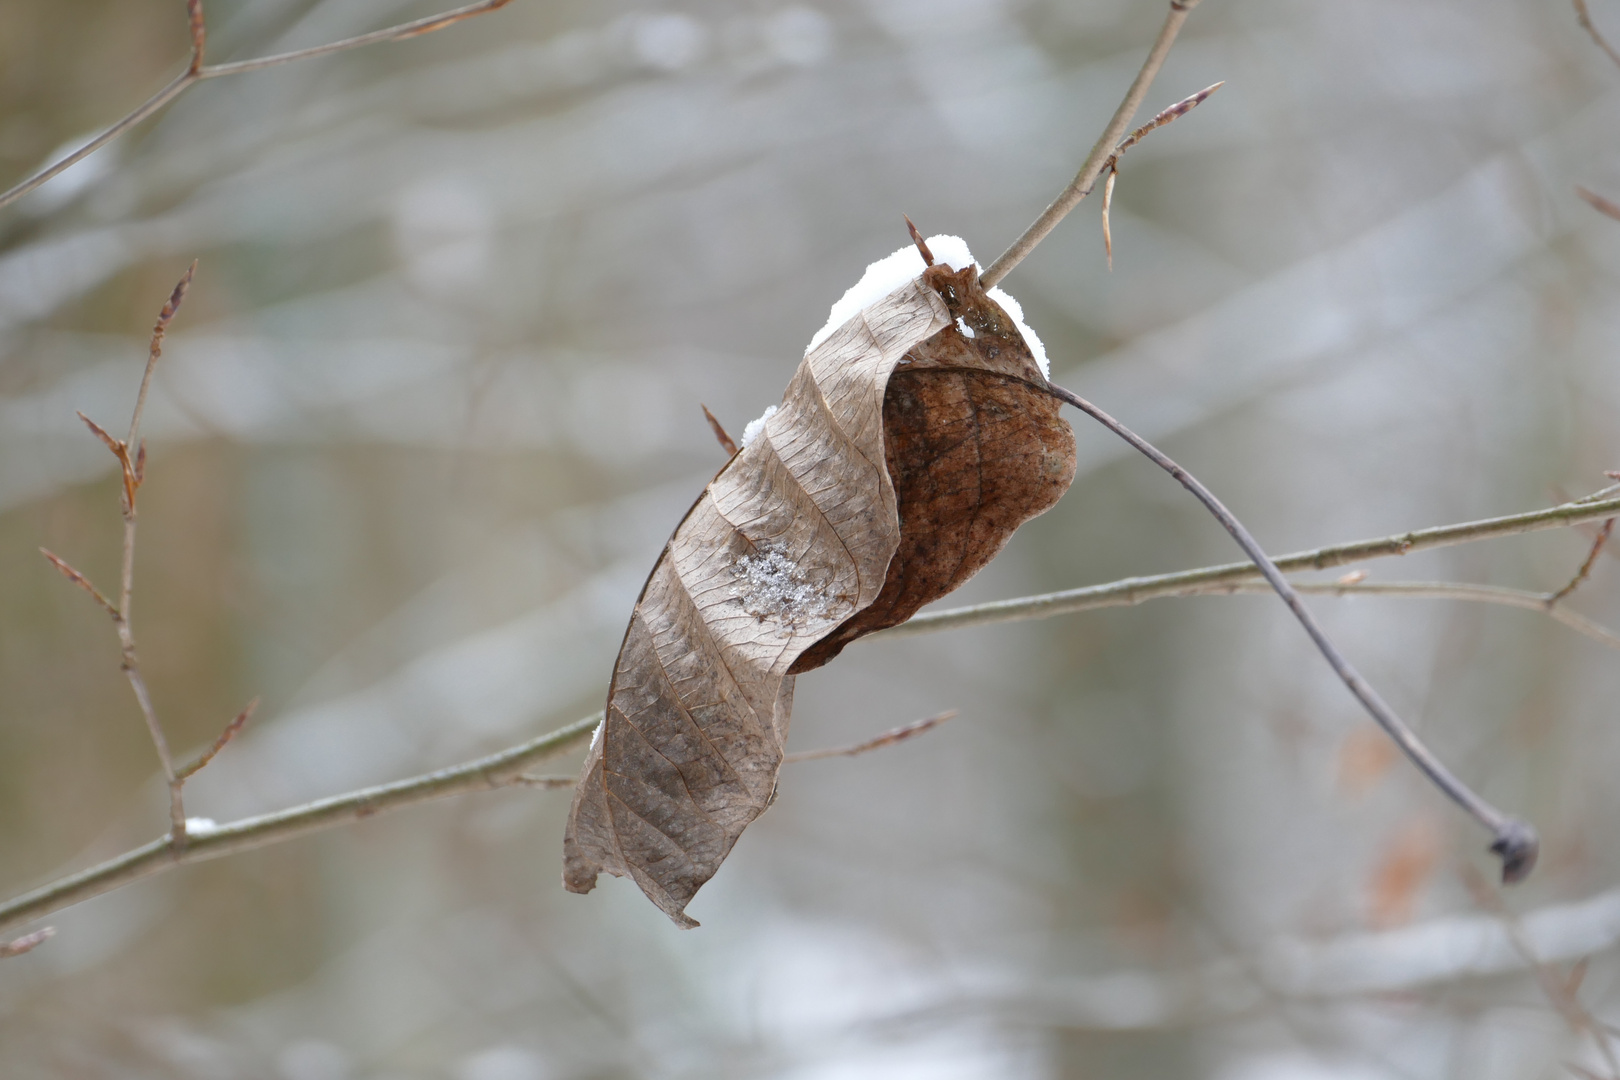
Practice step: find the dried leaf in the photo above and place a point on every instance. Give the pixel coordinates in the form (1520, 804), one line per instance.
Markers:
(908, 447)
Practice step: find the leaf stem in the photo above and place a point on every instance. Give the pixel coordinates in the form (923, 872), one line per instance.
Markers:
(1515, 841)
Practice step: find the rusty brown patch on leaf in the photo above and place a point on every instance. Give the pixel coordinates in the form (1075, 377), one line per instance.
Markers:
(908, 447)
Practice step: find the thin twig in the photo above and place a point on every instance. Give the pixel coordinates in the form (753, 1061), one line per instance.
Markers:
(484, 774)
(1111, 166)
(199, 34)
(1131, 591)
(1092, 167)
(1586, 567)
(720, 435)
(26, 943)
(1563, 993)
(1598, 202)
(1523, 599)
(232, 729)
(1515, 842)
(377, 37)
(888, 738)
(1584, 17)
(81, 581)
(197, 72)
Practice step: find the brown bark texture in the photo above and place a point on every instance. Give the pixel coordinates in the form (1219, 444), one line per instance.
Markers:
(908, 448)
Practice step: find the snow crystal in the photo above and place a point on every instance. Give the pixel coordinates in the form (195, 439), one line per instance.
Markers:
(596, 736)
(886, 275)
(1016, 310)
(775, 588)
(756, 426)
(967, 331)
(201, 826)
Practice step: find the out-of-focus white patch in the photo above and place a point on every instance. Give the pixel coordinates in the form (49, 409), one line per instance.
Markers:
(886, 275)
(444, 228)
(967, 331)
(801, 36)
(201, 826)
(756, 426)
(502, 1063)
(313, 1059)
(669, 42)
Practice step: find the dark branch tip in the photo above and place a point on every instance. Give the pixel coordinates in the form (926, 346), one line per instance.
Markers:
(1517, 845)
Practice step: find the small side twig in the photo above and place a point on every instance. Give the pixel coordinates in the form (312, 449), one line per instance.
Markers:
(1514, 840)
(888, 738)
(26, 943)
(232, 729)
(1584, 17)
(1586, 567)
(131, 454)
(1092, 168)
(1598, 202)
(1111, 166)
(720, 435)
(81, 581)
(196, 72)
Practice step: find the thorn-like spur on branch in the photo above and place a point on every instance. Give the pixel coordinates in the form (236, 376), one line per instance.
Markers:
(81, 581)
(1584, 17)
(1515, 842)
(1096, 160)
(196, 71)
(922, 247)
(232, 729)
(726, 442)
(26, 943)
(888, 738)
(1598, 202)
(1586, 567)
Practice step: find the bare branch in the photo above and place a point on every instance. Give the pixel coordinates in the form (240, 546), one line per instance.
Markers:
(196, 72)
(507, 767)
(26, 943)
(81, 581)
(1584, 17)
(720, 435)
(1515, 842)
(483, 774)
(1213, 579)
(888, 738)
(1586, 567)
(376, 37)
(232, 729)
(1096, 161)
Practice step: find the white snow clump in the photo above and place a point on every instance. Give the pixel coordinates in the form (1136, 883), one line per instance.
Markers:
(886, 275)
(201, 826)
(756, 426)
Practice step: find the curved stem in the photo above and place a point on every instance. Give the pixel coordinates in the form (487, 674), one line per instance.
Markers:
(1515, 840)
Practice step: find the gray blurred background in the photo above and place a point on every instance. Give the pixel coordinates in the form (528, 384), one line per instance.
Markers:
(433, 408)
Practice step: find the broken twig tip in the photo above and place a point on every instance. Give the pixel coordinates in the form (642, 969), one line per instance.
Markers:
(1518, 846)
(916, 238)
